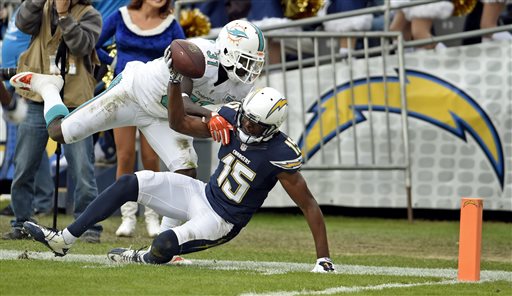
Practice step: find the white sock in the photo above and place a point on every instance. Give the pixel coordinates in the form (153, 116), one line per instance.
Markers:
(51, 97)
(68, 237)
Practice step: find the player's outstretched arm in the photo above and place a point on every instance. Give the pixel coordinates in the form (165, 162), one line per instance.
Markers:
(297, 189)
(178, 119)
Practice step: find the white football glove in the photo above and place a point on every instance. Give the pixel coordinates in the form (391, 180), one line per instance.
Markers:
(174, 77)
(168, 56)
(324, 265)
(16, 111)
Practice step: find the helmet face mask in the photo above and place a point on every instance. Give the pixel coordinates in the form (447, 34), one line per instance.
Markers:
(260, 115)
(242, 50)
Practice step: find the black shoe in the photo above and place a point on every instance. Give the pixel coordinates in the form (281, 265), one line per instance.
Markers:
(7, 211)
(15, 234)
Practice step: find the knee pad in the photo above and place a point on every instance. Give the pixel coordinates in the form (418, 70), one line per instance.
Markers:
(163, 248)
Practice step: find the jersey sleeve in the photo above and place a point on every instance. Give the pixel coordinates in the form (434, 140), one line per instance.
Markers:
(228, 111)
(288, 156)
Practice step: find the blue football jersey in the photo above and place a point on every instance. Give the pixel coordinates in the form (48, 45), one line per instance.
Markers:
(246, 173)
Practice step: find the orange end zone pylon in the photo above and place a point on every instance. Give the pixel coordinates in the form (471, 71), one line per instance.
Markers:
(470, 239)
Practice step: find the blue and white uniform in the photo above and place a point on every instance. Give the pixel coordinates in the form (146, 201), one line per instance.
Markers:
(216, 212)
(138, 97)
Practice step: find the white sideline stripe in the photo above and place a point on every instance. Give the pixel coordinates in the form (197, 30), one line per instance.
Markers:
(343, 289)
(270, 268)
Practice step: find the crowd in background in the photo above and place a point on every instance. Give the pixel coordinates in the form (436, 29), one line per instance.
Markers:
(141, 32)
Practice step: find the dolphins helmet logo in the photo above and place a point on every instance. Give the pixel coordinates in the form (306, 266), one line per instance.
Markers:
(236, 33)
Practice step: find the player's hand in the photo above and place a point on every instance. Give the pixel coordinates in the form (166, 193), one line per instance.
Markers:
(168, 57)
(219, 128)
(16, 111)
(323, 265)
(174, 77)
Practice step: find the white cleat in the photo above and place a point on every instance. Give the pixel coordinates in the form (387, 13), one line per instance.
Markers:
(123, 255)
(153, 228)
(127, 228)
(52, 239)
(36, 82)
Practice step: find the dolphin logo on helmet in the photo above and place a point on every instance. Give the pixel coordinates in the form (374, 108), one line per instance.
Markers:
(241, 48)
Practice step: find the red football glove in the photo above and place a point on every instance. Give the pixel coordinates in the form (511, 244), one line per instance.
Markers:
(219, 128)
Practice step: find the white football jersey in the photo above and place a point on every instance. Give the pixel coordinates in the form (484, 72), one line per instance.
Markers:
(149, 83)
(205, 92)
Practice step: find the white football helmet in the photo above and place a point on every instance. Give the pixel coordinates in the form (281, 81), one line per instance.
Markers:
(242, 50)
(266, 107)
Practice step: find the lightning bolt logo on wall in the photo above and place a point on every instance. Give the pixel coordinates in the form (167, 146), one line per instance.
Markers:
(430, 99)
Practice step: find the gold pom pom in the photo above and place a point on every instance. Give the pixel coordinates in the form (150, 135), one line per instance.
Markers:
(109, 76)
(463, 7)
(298, 9)
(194, 22)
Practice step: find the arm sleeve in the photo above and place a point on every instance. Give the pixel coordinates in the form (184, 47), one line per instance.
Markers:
(81, 37)
(108, 30)
(29, 17)
(229, 113)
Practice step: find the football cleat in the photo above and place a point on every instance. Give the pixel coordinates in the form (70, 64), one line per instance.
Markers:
(123, 255)
(36, 82)
(51, 238)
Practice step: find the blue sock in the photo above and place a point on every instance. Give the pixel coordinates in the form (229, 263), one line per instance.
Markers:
(124, 189)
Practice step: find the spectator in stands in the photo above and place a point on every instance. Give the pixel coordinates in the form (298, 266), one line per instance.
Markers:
(106, 8)
(142, 30)
(416, 22)
(65, 31)
(14, 43)
(350, 24)
(221, 12)
(268, 13)
(490, 15)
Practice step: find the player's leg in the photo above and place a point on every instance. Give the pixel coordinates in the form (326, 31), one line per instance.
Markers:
(150, 161)
(181, 197)
(124, 189)
(112, 108)
(48, 87)
(126, 156)
(175, 150)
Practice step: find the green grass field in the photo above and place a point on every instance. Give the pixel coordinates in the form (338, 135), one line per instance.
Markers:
(272, 256)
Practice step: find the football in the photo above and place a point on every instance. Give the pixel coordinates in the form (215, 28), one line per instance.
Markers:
(187, 58)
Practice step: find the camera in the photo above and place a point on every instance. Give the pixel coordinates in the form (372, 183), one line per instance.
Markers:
(7, 73)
